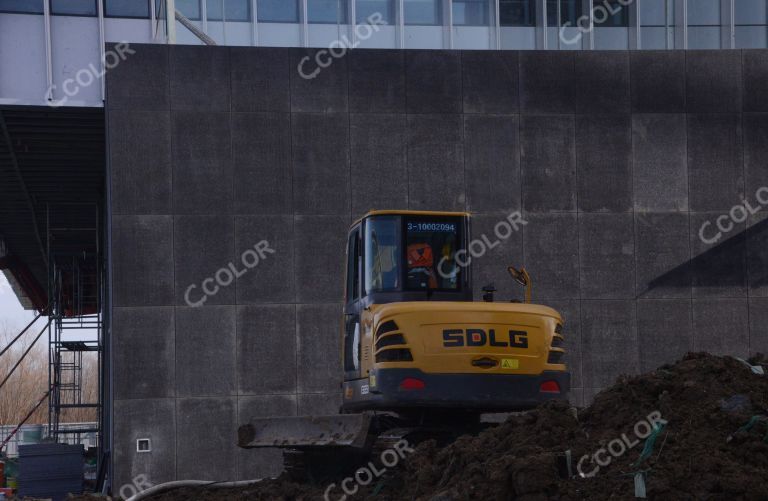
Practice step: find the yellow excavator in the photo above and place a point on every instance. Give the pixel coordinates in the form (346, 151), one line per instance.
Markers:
(420, 358)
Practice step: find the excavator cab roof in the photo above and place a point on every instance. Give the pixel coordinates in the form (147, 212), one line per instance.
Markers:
(409, 213)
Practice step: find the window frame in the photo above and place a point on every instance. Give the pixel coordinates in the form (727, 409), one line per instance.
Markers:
(736, 23)
(112, 16)
(391, 17)
(623, 12)
(719, 23)
(248, 19)
(487, 14)
(42, 10)
(574, 23)
(296, 21)
(669, 15)
(344, 6)
(438, 11)
(199, 16)
(95, 6)
(534, 9)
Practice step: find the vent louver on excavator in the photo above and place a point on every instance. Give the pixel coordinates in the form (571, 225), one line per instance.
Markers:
(387, 335)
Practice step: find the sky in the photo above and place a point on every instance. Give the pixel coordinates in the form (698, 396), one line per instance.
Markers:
(16, 318)
(11, 311)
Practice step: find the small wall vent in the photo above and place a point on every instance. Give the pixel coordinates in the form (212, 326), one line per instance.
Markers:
(143, 445)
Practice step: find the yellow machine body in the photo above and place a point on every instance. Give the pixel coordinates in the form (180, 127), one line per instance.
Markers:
(422, 326)
(466, 354)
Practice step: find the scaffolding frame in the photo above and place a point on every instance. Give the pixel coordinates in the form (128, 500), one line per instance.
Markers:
(76, 296)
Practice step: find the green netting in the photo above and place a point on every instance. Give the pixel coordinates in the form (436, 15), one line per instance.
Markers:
(649, 443)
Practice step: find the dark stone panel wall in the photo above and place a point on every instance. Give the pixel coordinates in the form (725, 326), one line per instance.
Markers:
(617, 161)
(659, 153)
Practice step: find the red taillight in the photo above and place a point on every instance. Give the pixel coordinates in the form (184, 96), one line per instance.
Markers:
(549, 387)
(410, 383)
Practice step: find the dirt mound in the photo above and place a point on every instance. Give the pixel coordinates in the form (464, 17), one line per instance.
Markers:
(703, 399)
(701, 416)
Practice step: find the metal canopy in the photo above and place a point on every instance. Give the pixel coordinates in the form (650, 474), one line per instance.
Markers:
(50, 159)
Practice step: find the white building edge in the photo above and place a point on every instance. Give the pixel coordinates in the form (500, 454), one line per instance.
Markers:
(57, 52)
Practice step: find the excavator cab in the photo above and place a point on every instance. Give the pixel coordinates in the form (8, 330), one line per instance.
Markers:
(395, 257)
(407, 256)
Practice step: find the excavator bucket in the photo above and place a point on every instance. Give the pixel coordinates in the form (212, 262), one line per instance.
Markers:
(343, 430)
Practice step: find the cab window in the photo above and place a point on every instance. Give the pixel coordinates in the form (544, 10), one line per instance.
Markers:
(382, 254)
(353, 266)
(431, 247)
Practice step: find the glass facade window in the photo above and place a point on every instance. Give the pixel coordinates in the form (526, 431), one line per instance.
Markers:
(611, 13)
(751, 19)
(127, 8)
(471, 12)
(652, 24)
(22, 6)
(654, 12)
(655, 18)
(517, 12)
(278, 11)
(74, 7)
(750, 12)
(190, 8)
(704, 12)
(703, 24)
(385, 9)
(570, 12)
(327, 11)
(423, 12)
(611, 22)
(228, 10)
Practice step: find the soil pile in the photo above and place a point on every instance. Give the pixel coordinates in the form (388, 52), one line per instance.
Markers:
(709, 442)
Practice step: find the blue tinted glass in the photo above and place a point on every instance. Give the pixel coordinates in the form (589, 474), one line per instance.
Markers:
(704, 37)
(751, 12)
(327, 11)
(471, 12)
(74, 7)
(517, 12)
(231, 10)
(423, 12)
(383, 9)
(126, 8)
(570, 12)
(190, 8)
(382, 253)
(653, 12)
(22, 6)
(751, 37)
(611, 13)
(653, 37)
(278, 11)
(703, 12)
